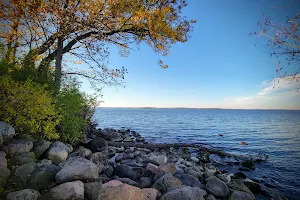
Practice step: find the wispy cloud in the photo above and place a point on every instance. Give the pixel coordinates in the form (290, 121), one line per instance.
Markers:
(200, 88)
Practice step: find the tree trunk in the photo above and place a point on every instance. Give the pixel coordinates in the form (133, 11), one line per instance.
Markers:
(58, 65)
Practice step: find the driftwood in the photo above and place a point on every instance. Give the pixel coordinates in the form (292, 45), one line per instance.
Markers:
(175, 145)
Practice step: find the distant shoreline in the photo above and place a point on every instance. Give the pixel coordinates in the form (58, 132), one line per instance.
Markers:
(200, 108)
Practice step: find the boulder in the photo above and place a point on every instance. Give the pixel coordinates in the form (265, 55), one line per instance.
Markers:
(112, 183)
(210, 197)
(6, 131)
(167, 167)
(249, 164)
(67, 147)
(239, 174)
(239, 195)
(216, 187)
(82, 152)
(22, 158)
(189, 180)
(153, 168)
(196, 173)
(253, 186)
(21, 175)
(123, 171)
(1, 139)
(57, 154)
(160, 159)
(128, 139)
(121, 192)
(97, 144)
(209, 170)
(186, 192)
(40, 147)
(150, 194)
(145, 182)
(115, 137)
(26, 194)
(4, 175)
(128, 156)
(66, 191)
(17, 146)
(77, 168)
(166, 182)
(238, 184)
(119, 157)
(108, 171)
(92, 190)
(128, 181)
(43, 176)
(225, 177)
(3, 160)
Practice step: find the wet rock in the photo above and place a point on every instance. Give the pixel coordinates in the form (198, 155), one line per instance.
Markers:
(168, 168)
(6, 131)
(97, 144)
(3, 161)
(189, 180)
(57, 155)
(239, 195)
(118, 158)
(140, 139)
(204, 157)
(66, 191)
(160, 159)
(249, 164)
(77, 168)
(43, 176)
(112, 151)
(209, 170)
(237, 184)
(26, 194)
(92, 190)
(4, 175)
(145, 182)
(196, 173)
(40, 147)
(108, 170)
(225, 177)
(238, 175)
(253, 186)
(128, 156)
(17, 146)
(150, 194)
(166, 182)
(115, 137)
(21, 175)
(82, 152)
(124, 171)
(128, 139)
(22, 158)
(123, 191)
(216, 187)
(183, 193)
(137, 153)
(158, 175)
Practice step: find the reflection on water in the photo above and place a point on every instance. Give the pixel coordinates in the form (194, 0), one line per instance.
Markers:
(276, 133)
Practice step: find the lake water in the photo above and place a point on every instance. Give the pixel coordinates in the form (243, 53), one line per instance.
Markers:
(274, 132)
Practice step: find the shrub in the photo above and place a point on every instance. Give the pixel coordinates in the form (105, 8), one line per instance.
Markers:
(76, 110)
(28, 107)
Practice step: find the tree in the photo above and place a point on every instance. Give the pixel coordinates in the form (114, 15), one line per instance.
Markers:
(281, 38)
(86, 29)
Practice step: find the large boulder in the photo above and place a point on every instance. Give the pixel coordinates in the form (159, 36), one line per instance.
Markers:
(82, 152)
(66, 191)
(189, 180)
(26, 194)
(57, 155)
(62, 145)
(123, 171)
(115, 137)
(253, 186)
(150, 194)
(209, 170)
(166, 182)
(3, 160)
(238, 184)
(239, 195)
(22, 158)
(17, 146)
(216, 187)
(6, 131)
(167, 167)
(1, 139)
(4, 175)
(99, 158)
(77, 168)
(249, 164)
(40, 147)
(121, 192)
(21, 175)
(145, 182)
(153, 168)
(186, 192)
(92, 190)
(97, 144)
(160, 159)
(43, 176)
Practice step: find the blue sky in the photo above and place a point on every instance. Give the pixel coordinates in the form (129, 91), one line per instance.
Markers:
(219, 66)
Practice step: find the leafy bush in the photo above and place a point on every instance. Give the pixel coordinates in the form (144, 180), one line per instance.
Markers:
(28, 107)
(76, 110)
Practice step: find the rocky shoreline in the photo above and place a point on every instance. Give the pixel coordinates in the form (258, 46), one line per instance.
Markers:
(102, 168)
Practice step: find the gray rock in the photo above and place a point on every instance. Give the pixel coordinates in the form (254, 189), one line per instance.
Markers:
(216, 187)
(160, 159)
(166, 183)
(17, 146)
(98, 157)
(22, 158)
(40, 147)
(57, 155)
(118, 158)
(210, 197)
(21, 175)
(189, 180)
(194, 159)
(43, 176)
(239, 195)
(77, 168)
(198, 174)
(167, 167)
(128, 181)
(112, 151)
(237, 184)
(124, 171)
(249, 164)
(225, 177)
(6, 131)
(145, 182)
(66, 191)
(108, 170)
(184, 193)
(158, 176)
(3, 160)
(128, 156)
(253, 186)
(97, 144)
(209, 170)
(82, 152)
(92, 190)
(62, 145)
(1, 139)
(26, 194)
(115, 137)
(128, 139)
(4, 175)
(144, 150)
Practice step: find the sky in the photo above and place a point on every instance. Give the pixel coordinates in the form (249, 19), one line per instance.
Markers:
(219, 67)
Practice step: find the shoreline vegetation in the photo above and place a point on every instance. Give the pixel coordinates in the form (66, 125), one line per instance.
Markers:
(99, 107)
(119, 164)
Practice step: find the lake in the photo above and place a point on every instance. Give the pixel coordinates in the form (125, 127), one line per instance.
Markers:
(273, 132)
